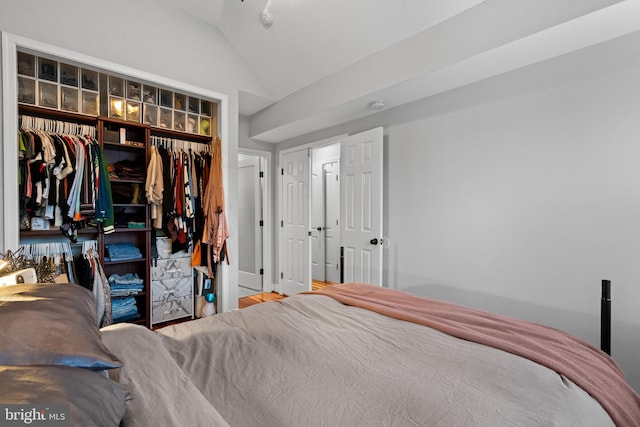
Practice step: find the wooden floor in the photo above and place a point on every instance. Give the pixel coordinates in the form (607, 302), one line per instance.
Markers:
(258, 298)
(273, 296)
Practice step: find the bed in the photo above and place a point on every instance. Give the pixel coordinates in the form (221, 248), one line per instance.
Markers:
(348, 355)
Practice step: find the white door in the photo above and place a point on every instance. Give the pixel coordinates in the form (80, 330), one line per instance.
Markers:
(361, 206)
(317, 222)
(332, 221)
(295, 270)
(249, 223)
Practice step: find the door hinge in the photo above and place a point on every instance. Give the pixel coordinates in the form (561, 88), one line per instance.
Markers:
(261, 223)
(282, 171)
(281, 275)
(281, 223)
(261, 174)
(262, 271)
(309, 233)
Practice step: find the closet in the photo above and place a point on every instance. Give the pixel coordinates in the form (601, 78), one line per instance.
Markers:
(85, 133)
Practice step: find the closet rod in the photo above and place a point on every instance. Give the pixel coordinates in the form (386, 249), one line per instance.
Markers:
(56, 126)
(180, 144)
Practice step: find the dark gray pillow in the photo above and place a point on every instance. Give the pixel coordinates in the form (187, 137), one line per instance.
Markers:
(51, 325)
(82, 397)
(163, 395)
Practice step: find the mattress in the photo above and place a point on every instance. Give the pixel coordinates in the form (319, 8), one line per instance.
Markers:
(311, 360)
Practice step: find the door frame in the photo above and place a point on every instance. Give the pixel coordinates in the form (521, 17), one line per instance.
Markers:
(268, 283)
(279, 197)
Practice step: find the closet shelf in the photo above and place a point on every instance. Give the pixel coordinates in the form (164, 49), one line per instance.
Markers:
(129, 205)
(206, 139)
(56, 114)
(127, 181)
(55, 232)
(123, 123)
(130, 229)
(139, 294)
(125, 261)
(131, 147)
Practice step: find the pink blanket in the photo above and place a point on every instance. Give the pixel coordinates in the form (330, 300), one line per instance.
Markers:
(589, 368)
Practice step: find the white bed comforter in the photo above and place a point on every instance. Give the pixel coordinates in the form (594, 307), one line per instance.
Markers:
(310, 360)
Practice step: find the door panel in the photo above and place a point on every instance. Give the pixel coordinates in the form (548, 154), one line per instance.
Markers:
(296, 263)
(332, 221)
(361, 206)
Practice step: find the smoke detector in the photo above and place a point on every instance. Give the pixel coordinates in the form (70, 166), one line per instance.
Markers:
(376, 105)
(266, 18)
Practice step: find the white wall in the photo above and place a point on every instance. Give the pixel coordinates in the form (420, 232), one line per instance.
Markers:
(524, 202)
(520, 194)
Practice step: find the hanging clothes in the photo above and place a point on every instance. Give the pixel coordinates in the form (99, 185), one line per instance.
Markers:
(154, 187)
(84, 269)
(58, 162)
(167, 179)
(216, 231)
(103, 202)
(182, 165)
(99, 283)
(201, 163)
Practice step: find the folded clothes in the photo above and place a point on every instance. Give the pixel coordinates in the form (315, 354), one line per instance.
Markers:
(119, 291)
(118, 250)
(125, 284)
(122, 257)
(122, 246)
(128, 286)
(114, 252)
(125, 279)
(124, 292)
(125, 318)
(123, 313)
(122, 303)
(124, 309)
(122, 252)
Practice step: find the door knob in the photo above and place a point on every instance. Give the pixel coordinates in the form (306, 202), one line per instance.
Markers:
(373, 241)
(319, 228)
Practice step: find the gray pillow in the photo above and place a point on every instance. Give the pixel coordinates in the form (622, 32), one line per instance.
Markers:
(51, 325)
(82, 397)
(163, 395)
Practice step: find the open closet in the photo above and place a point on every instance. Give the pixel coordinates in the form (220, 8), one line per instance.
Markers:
(112, 172)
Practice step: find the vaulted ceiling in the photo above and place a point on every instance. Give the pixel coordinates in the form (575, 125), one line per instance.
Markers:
(324, 62)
